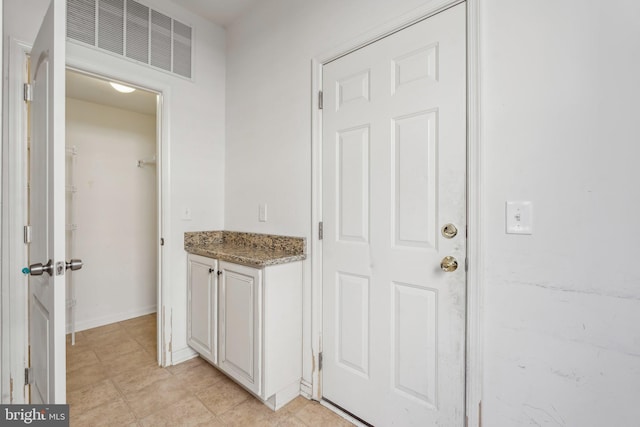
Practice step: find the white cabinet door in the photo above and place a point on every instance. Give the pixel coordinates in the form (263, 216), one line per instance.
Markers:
(202, 306)
(240, 324)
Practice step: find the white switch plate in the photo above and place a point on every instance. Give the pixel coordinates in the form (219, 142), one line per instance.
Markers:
(186, 214)
(262, 212)
(519, 218)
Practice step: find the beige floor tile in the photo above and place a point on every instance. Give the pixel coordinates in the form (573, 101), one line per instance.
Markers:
(156, 397)
(81, 341)
(148, 343)
(149, 319)
(115, 350)
(99, 342)
(85, 376)
(130, 382)
(295, 405)
(292, 421)
(131, 363)
(94, 333)
(225, 395)
(113, 379)
(189, 412)
(316, 415)
(113, 413)
(189, 364)
(101, 393)
(199, 377)
(81, 359)
(143, 335)
(251, 412)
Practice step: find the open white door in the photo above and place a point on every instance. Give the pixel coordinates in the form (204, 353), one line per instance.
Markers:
(47, 210)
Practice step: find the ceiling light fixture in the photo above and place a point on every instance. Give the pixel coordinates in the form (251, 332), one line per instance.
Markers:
(121, 88)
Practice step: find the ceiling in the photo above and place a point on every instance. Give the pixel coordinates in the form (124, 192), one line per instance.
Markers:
(92, 89)
(221, 12)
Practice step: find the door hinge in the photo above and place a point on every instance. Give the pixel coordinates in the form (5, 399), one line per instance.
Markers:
(320, 361)
(27, 234)
(320, 230)
(28, 376)
(162, 241)
(320, 100)
(27, 92)
(466, 265)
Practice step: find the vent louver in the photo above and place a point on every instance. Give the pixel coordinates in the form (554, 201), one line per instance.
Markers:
(132, 30)
(111, 26)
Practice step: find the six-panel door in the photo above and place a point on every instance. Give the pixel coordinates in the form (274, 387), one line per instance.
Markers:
(394, 171)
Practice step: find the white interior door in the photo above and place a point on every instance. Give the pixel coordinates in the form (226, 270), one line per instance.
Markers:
(47, 210)
(394, 173)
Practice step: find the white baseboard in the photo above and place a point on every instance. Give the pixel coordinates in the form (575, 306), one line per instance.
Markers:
(182, 355)
(305, 389)
(112, 318)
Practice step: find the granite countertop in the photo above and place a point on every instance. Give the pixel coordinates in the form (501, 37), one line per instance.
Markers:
(252, 249)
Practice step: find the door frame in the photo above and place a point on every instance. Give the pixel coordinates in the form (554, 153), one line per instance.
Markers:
(14, 308)
(89, 61)
(475, 175)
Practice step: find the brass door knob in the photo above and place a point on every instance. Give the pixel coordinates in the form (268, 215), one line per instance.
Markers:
(449, 264)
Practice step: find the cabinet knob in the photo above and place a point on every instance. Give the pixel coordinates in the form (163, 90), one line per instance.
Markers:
(211, 270)
(219, 272)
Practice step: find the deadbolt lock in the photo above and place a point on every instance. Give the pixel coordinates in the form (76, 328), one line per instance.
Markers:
(449, 231)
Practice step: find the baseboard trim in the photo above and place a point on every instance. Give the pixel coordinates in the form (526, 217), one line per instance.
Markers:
(182, 355)
(112, 318)
(305, 389)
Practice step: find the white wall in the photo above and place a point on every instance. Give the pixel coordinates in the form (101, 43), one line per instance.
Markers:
(195, 128)
(559, 111)
(115, 209)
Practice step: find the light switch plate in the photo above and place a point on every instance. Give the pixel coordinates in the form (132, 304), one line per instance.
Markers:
(519, 218)
(262, 212)
(186, 214)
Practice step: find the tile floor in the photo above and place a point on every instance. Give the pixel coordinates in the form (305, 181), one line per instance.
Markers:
(113, 380)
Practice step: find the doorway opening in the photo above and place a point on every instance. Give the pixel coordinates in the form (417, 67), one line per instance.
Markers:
(15, 330)
(112, 213)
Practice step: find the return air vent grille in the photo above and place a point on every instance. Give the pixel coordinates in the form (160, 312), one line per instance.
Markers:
(111, 26)
(81, 23)
(133, 30)
(161, 41)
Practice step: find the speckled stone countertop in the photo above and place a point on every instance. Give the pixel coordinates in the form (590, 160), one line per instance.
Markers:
(252, 249)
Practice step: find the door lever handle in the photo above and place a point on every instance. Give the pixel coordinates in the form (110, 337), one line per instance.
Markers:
(37, 269)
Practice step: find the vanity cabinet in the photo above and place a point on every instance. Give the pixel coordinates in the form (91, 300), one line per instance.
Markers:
(202, 306)
(257, 312)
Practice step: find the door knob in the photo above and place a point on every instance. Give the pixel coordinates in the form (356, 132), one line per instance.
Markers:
(74, 264)
(449, 264)
(37, 269)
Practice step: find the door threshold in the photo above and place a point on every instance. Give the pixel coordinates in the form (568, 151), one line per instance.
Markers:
(344, 413)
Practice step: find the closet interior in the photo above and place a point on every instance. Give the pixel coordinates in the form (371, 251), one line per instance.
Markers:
(112, 202)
